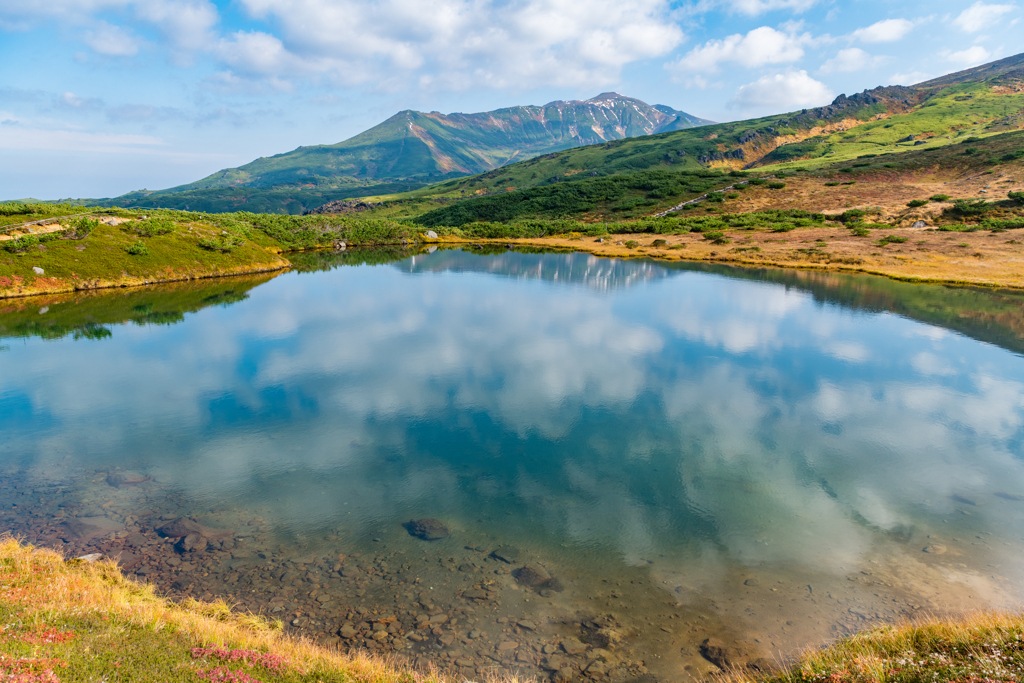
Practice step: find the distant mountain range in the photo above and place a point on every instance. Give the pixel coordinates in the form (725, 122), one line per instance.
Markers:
(412, 149)
(465, 155)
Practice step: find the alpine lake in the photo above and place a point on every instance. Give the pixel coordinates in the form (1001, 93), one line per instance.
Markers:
(548, 462)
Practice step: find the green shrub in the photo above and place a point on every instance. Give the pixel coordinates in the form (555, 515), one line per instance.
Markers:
(1017, 198)
(151, 227)
(757, 181)
(223, 244)
(715, 236)
(137, 249)
(860, 232)
(80, 228)
(659, 243)
(891, 239)
(776, 186)
(783, 227)
(741, 187)
(969, 207)
(939, 198)
(716, 197)
(1007, 224)
(970, 151)
(832, 183)
(959, 228)
(1012, 156)
(20, 245)
(914, 203)
(632, 244)
(732, 195)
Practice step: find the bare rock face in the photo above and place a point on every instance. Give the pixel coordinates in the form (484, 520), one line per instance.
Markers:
(181, 527)
(428, 529)
(532, 575)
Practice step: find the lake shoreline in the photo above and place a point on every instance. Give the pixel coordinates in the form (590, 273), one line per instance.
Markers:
(951, 269)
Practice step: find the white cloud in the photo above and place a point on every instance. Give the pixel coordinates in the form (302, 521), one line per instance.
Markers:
(187, 24)
(112, 41)
(760, 46)
(463, 43)
(909, 78)
(781, 91)
(979, 15)
(850, 59)
(75, 140)
(972, 56)
(756, 7)
(886, 31)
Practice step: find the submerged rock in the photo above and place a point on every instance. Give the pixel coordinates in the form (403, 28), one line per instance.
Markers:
(180, 527)
(721, 655)
(532, 575)
(191, 543)
(506, 553)
(428, 529)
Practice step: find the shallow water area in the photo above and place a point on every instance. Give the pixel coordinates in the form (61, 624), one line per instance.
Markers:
(625, 459)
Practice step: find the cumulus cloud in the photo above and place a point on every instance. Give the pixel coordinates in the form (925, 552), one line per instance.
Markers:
(972, 56)
(460, 43)
(760, 46)
(112, 41)
(981, 15)
(850, 59)
(788, 90)
(885, 31)
(756, 7)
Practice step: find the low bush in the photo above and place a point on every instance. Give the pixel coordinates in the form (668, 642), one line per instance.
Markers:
(860, 232)
(1017, 198)
(914, 203)
(20, 245)
(223, 244)
(776, 186)
(969, 207)
(152, 227)
(891, 239)
(757, 181)
(80, 228)
(939, 198)
(137, 249)
(832, 183)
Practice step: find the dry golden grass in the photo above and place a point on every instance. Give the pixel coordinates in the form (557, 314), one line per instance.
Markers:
(39, 590)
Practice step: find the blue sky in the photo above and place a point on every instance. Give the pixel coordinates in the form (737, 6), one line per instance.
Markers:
(100, 97)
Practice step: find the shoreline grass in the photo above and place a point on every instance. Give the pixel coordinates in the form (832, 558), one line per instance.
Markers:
(66, 621)
(70, 621)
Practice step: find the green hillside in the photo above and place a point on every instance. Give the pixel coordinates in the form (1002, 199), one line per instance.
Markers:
(412, 149)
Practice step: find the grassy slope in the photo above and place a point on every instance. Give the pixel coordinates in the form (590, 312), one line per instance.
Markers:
(77, 621)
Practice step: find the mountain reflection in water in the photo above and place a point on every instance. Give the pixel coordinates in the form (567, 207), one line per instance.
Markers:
(692, 451)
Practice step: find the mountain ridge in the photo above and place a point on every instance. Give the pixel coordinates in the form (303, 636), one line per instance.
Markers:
(412, 144)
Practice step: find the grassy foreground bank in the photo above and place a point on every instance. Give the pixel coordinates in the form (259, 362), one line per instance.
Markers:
(67, 621)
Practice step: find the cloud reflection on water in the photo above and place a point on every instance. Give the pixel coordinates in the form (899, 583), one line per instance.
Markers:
(687, 413)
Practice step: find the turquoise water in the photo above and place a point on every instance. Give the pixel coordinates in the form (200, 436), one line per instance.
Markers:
(769, 458)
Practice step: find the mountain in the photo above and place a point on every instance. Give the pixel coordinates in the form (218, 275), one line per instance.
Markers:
(414, 148)
(974, 104)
